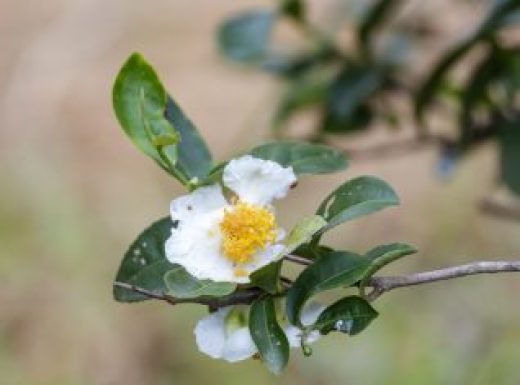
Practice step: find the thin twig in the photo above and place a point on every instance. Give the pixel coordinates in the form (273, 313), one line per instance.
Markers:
(241, 297)
(382, 285)
(488, 206)
(297, 259)
(147, 293)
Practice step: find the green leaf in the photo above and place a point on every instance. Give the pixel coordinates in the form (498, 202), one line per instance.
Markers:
(303, 232)
(476, 91)
(347, 107)
(140, 102)
(384, 254)
(349, 315)
(312, 251)
(267, 278)
(491, 23)
(268, 336)
(355, 198)
(145, 264)
(305, 158)
(381, 256)
(374, 18)
(333, 270)
(498, 16)
(302, 94)
(509, 139)
(194, 157)
(299, 66)
(295, 9)
(359, 119)
(181, 284)
(245, 38)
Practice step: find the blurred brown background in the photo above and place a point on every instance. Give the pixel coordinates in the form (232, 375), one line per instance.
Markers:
(74, 193)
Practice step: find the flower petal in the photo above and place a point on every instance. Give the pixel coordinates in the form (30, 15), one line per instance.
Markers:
(258, 181)
(239, 346)
(311, 312)
(212, 339)
(263, 258)
(201, 201)
(195, 245)
(309, 316)
(210, 333)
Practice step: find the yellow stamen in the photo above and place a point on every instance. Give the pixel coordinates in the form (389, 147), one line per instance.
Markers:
(239, 272)
(246, 229)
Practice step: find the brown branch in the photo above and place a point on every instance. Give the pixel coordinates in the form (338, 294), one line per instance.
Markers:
(298, 260)
(500, 210)
(241, 297)
(382, 285)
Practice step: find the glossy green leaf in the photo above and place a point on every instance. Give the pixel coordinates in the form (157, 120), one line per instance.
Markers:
(349, 315)
(312, 251)
(140, 103)
(194, 156)
(268, 336)
(509, 140)
(245, 38)
(304, 158)
(355, 198)
(303, 232)
(268, 277)
(381, 256)
(385, 254)
(181, 284)
(333, 270)
(145, 264)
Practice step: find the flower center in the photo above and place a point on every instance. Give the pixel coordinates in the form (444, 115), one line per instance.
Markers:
(246, 229)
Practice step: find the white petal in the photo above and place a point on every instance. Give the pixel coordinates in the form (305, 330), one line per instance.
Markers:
(212, 339)
(293, 335)
(309, 315)
(270, 254)
(195, 244)
(239, 346)
(258, 181)
(311, 312)
(201, 201)
(210, 333)
(280, 234)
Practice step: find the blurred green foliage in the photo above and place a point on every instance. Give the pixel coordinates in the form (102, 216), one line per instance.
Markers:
(349, 86)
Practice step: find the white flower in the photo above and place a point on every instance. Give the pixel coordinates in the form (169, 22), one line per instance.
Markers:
(225, 334)
(310, 314)
(227, 241)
